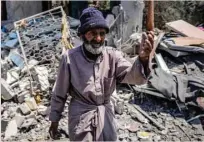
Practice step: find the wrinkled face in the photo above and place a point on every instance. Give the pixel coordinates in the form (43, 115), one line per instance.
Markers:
(94, 40)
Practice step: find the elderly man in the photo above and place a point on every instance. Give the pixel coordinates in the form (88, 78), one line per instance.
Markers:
(89, 73)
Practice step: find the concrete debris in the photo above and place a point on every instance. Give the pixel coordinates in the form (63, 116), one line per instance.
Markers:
(31, 103)
(142, 113)
(21, 96)
(11, 43)
(43, 110)
(11, 129)
(19, 120)
(28, 123)
(143, 135)
(42, 77)
(6, 92)
(25, 109)
(13, 75)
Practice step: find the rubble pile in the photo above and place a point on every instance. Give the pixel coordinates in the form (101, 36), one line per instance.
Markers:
(162, 121)
(143, 113)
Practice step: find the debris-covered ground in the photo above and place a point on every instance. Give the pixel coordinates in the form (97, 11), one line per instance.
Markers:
(143, 113)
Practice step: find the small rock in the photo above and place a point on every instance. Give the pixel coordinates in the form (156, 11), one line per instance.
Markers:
(143, 135)
(31, 103)
(25, 109)
(43, 110)
(6, 90)
(28, 123)
(119, 108)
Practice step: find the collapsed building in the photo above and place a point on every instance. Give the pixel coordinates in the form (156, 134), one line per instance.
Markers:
(170, 107)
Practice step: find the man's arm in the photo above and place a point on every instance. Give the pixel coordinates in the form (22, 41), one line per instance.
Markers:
(127, 72)
(59, 95)
(136, 73)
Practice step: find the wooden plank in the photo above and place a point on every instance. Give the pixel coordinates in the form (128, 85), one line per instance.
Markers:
(182, 41)
(186, 29)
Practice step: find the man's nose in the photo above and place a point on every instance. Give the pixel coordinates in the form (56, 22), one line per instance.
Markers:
(98, 38)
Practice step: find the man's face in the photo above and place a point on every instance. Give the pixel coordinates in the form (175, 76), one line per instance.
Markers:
(94, 40)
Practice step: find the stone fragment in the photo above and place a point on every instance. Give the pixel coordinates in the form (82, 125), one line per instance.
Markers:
(11, 43)
(21, 97)
(25, 109)
(19, 120)
(6, 91)
(28, 123)
(143, 135)
(31, 103)
(42, 77)
(43, 110)
(11, 129)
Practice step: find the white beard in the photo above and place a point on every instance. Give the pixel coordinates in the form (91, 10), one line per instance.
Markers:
(97, 49)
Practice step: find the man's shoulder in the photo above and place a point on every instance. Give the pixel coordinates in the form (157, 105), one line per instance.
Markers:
(112, 51)
(73, 51)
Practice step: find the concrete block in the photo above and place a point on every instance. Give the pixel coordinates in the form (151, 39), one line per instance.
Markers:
(13, 35)
(12, 76)
(42, 76)
(11, 43)
(21, 97)
(43, 110)
(31, 64)
(19, 120)
(28, 123)
(17, 59)
(25, 109)
(6, 91)
(11, 129)
(31, 103)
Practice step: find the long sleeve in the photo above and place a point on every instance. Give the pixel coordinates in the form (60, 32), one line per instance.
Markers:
(60, 90)
(127, 72)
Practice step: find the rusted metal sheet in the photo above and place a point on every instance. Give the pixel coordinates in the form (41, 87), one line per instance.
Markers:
(182, 41)
(185, 29)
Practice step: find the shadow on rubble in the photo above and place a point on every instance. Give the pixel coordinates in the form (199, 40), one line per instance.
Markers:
(153, 106)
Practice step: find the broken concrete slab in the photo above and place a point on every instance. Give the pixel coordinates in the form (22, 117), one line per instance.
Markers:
(43, 110)
(11, 43)
(31, 103)
(6, 91)
(13, 75)
(17, 59)
(28, 123)
(25, 109)
(11, 129)
(19, 120)
(21, 97)
(12, 35)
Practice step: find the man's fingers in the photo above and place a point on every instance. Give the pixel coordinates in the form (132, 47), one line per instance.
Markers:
(144, 37)
(150, 32)
(151, 39)
(148, 45)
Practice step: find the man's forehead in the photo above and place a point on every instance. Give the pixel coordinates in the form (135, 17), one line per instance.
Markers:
(98, 29)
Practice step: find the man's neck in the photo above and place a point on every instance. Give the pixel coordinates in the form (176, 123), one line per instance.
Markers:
(90, 55)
